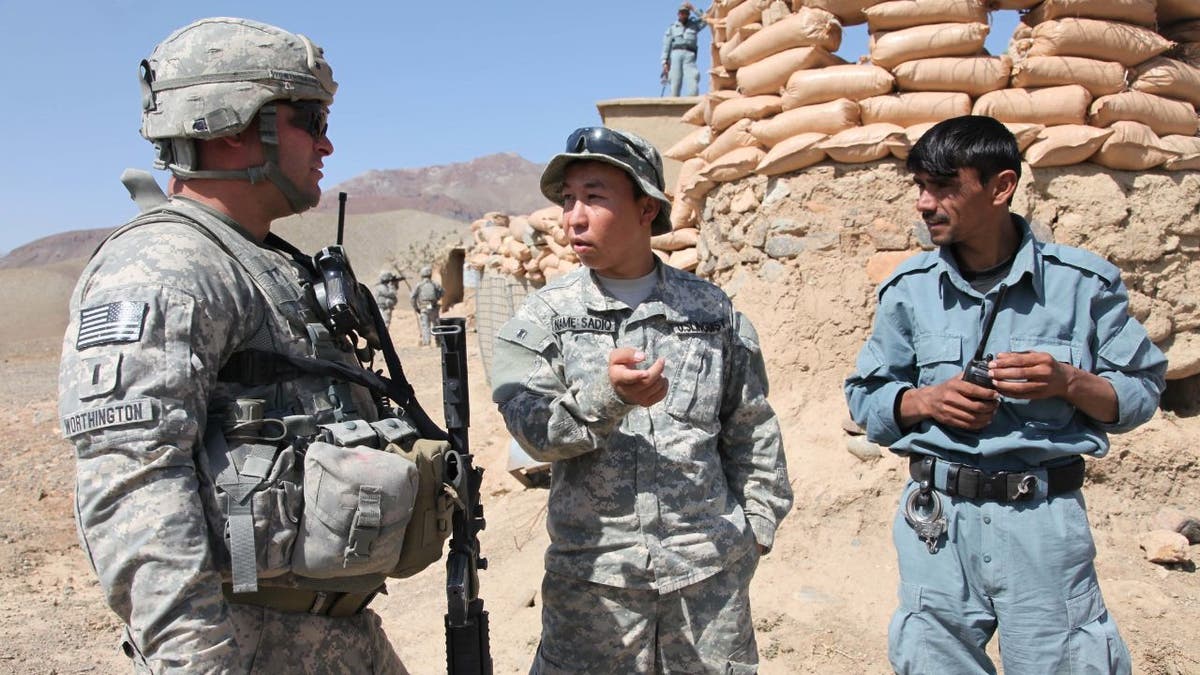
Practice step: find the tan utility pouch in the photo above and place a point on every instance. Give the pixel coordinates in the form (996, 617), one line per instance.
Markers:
(358, 502)
(425, 538)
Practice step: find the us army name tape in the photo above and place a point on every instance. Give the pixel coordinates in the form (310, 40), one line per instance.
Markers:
(111, 415)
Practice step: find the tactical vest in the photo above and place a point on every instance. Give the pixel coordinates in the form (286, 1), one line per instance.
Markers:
(304, 482)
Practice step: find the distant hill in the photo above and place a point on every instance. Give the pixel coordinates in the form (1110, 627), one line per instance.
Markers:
(463, 191)
(450, 192)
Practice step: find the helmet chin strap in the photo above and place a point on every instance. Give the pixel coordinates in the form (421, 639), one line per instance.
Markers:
(182, 153)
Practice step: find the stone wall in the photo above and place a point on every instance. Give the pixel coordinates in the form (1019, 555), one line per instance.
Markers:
(803, 252)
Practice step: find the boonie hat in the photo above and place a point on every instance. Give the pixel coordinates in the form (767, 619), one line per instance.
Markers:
(622, 149)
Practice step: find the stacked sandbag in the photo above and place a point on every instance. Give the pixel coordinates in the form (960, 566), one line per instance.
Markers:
(1090, 65)
(535, 246)
(1081, 80)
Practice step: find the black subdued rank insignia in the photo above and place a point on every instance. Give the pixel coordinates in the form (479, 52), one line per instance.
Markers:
(111, 323)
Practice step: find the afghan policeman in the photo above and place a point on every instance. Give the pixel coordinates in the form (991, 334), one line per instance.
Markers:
(992, 530)
(425, 297)
(230, 494)
(648, 392)
(385, 294)
(679, 52)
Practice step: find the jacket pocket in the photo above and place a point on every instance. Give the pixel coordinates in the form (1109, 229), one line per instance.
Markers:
(1045, 413)
(939, 357)
(695, 393)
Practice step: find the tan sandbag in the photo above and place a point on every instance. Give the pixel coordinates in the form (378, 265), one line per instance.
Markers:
(1184, 31)
(769, 75)
(493, 237)
(1098, 77)
(1049, 106)
(1095, 39)
(1172, 11)
(686, 259)
(778, 11)
(792, 154)
(1140, 12)
(905, 110)
(1132, 147)
(731, 43)
(1164, 115)
(563, 251)
(972, 75)
(1025, 133)
(675, 239)
(806, 28)
(520, 251)
(1187, 150)
(900, 14)
(929, 41)
(685, 213)
(1167, 77)
(720, 79)
(520, 228)
(695, 114)
(546, 219)
(852, 81)
(736, 136)
(749, 11)
(713, 99)
(849, 12)
(691, 183)
(733, 165)
(1188, 52)
(689, 146)
(548, 261)
(1013, 4)
(1065, 145)
(498, 218)
(825, 118)
(863, 144)
(912, 134)
(511, 267)
(745, 107)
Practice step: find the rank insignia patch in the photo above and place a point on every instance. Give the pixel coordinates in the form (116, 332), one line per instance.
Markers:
(111, 323)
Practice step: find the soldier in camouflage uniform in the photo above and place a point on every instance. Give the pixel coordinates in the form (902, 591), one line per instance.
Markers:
(385, 295)
(425, 297)
(190, 472)
(648, 392)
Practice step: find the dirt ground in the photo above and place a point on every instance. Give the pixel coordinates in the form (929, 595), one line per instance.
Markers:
(822, 599)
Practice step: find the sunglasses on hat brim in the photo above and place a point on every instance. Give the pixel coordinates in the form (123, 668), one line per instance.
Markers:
(605, 141)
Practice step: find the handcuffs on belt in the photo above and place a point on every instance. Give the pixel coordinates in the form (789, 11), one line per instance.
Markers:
(928, 526)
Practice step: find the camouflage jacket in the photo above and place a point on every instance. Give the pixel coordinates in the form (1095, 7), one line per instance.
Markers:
(659, 497)
(155, 315)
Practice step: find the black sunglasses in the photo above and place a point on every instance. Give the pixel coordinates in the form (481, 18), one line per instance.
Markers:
(605, 141)
(311, 116)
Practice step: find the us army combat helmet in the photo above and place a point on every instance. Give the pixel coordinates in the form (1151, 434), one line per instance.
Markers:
(426, 272)
(211, 78)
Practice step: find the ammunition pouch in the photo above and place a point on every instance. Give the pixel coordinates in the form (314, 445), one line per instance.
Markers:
(425, 538)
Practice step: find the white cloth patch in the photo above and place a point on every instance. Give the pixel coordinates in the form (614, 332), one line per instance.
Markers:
(111, 323)
(117, 414)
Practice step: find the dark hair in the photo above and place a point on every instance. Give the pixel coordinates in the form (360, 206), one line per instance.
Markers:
(967, 142)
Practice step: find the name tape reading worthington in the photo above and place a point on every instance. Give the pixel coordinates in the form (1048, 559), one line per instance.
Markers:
(111, 415)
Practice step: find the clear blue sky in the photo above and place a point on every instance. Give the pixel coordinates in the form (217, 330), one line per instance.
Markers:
(421, 83)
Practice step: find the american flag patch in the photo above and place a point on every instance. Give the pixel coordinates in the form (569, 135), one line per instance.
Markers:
(111, 323)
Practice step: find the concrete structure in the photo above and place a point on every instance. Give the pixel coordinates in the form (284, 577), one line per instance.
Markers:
(656, 120)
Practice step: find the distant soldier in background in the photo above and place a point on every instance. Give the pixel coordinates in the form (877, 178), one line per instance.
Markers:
(385, 294)
(679, 52)
(425, 298)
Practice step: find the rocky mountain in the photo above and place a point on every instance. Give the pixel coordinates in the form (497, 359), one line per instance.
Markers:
(462, 191)
(55, 248)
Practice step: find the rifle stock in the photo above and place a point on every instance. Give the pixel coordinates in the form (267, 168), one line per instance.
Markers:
(467, 648)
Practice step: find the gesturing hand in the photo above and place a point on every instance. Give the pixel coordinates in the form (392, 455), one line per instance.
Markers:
(640, 387)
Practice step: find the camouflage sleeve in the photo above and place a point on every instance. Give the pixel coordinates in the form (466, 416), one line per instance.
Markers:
(751, 442)
(139, 358)
(549, 417)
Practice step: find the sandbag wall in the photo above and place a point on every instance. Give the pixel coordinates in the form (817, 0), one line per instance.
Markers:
(1114, 82)
(535, 246)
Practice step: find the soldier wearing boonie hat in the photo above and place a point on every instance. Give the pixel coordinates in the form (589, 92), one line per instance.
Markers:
(647, 391)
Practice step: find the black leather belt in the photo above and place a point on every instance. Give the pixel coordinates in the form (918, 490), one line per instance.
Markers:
(300, 601)
(684, 48)
(997, 486)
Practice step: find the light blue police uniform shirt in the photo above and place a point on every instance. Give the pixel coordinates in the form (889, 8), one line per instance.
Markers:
(1060, 300)
(681, 35)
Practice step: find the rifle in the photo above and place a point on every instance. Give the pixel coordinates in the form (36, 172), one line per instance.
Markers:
(467, 648)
